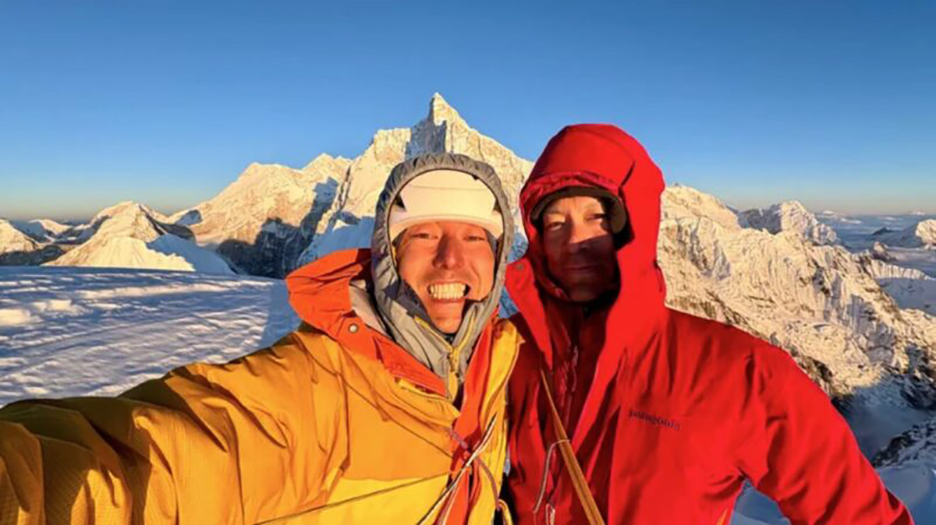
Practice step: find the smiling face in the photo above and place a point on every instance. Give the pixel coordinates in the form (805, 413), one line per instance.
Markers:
(448, 264)
(579, 247)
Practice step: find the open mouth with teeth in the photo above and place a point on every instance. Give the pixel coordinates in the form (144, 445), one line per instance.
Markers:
(448, 291)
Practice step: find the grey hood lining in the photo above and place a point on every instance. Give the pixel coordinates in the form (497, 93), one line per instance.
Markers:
(362, 302)
(397, 303)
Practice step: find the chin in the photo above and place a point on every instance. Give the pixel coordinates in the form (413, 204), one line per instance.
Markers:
(583, 294)
(448, 327)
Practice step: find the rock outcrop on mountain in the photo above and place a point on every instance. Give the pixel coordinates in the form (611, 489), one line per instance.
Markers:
(880, 252)
(789, 216)
(918, 444)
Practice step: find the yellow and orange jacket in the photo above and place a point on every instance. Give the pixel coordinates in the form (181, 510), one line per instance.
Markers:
(335, 423)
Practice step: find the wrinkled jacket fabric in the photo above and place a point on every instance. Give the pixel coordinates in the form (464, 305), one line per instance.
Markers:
(335, 423)
(669, 413)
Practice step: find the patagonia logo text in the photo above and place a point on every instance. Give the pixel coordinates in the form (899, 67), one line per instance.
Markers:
(655, 420)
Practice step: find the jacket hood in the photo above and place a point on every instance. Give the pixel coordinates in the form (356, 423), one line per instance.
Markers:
(397, 303)
(605, 157)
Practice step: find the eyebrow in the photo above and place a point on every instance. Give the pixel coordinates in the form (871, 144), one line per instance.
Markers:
(589, 209)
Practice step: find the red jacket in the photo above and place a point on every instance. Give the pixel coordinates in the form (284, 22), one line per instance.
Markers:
(668, 413)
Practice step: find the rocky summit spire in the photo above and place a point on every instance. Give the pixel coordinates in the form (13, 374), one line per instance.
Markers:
(440, 111)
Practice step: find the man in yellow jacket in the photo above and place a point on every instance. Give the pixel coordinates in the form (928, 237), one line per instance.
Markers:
(385, 406)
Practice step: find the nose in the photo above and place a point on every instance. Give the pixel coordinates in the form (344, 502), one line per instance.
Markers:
(578, 237)
(449, 252)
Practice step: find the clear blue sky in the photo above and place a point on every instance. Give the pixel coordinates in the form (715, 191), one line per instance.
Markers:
(832, 103)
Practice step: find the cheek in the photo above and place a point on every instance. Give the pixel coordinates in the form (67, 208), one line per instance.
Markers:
(607, 252)
(610, 267)
(409, 269)
(552, 249)
(484, 269)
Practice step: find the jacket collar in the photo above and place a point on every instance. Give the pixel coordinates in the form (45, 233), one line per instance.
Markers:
(320, 293)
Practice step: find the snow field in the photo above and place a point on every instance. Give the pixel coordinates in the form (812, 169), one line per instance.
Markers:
(83, 331)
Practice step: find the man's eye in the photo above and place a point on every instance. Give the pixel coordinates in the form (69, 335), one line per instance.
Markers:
(475, 238)
(552, 226)
(598, 216)
(421, 235)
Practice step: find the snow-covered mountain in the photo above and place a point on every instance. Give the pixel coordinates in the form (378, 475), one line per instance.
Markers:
(131, 235)
(264, 220)
(18, 247)
(921, 234)
(348, 221)
(274, 218)
(819, 302)
(14, 240)
(41, 230)
(915, 445)
(789, 216)
(880, 252)
(909, 287)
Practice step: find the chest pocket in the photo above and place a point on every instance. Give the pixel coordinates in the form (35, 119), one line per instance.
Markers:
(656, 434)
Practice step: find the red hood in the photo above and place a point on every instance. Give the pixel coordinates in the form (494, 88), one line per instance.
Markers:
(603, 156)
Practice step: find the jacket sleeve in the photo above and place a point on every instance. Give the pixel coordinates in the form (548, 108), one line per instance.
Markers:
(805, 456)
(238, 443)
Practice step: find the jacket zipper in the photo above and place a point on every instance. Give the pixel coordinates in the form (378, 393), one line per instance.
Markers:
(453, 354)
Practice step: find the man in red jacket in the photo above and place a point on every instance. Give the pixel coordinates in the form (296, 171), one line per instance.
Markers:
(626, 412)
